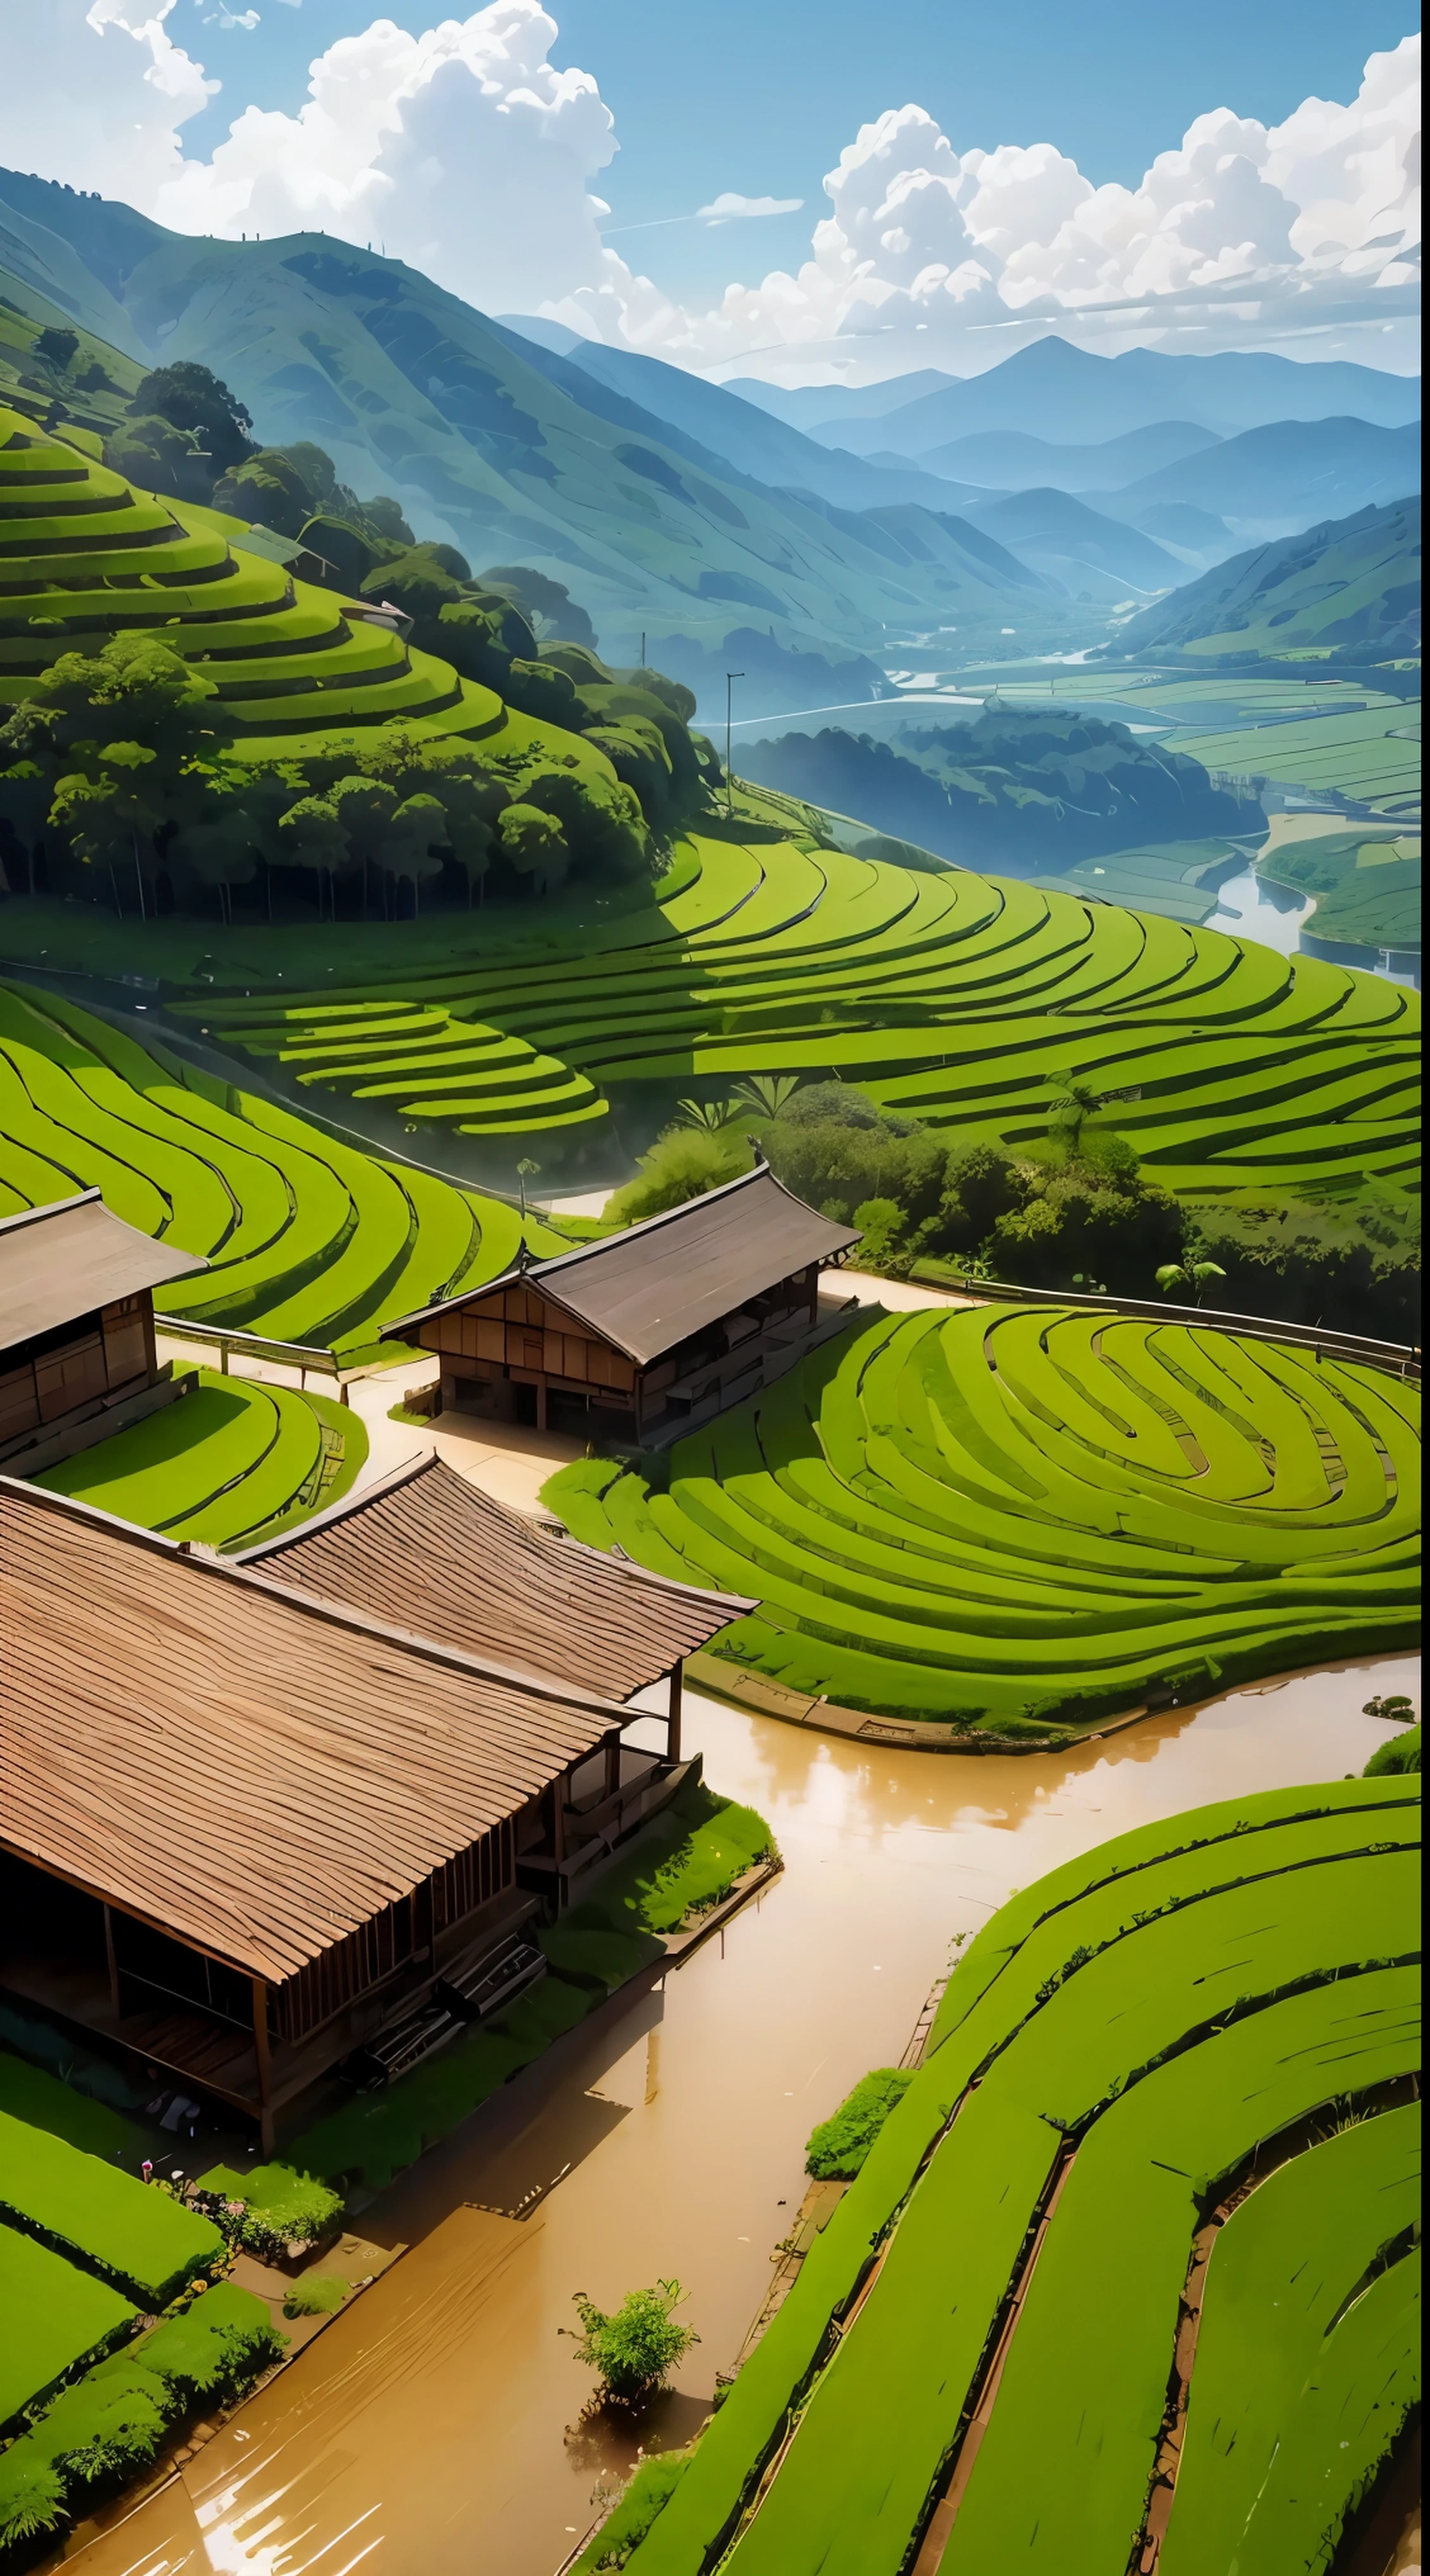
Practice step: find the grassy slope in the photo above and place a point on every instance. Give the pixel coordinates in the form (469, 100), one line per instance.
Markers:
(1348, 582)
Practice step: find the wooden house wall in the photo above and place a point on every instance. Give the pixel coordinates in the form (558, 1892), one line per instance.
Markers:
(87, 1360)
(379, 1947)
(515, 1328)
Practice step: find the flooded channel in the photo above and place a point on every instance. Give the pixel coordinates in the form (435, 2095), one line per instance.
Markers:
(425, 2432)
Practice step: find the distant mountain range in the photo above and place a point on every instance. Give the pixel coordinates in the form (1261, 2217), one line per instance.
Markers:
(507, 450)
(1350, 584)
(1271, 481)
(1092, 556)
(805, 539)
(1091, 399)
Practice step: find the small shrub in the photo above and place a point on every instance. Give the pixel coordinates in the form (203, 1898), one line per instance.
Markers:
(32, 2497)
(650, 2490)
(838, 2147)
(1401, 1754)
(317, 2295)
(635, 2348)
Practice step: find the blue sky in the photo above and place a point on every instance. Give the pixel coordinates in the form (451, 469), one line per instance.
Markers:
(1240, 174)
(760, 96)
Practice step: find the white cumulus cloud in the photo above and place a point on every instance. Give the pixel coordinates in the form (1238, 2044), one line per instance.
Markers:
(1246, 236)
(467, 152)
(729, 207)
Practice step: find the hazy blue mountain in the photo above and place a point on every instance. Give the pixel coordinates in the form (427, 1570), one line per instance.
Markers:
(1012, 461)
(1089, 398)
(1092, 556)
(1350, 584)
(1197, 535)
(800, 404)
(513, 453)
(752, 440)
(1281, 477)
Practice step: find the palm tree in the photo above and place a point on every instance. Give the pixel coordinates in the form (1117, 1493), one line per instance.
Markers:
(1193, 1275)
(766, 1092)
(705, 1115)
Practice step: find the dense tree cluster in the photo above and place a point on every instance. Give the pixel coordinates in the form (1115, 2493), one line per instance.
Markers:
(1030, 788)
(122, 767)
(1077, 1212)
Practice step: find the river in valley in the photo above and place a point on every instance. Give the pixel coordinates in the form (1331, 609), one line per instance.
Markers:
(426, 2431)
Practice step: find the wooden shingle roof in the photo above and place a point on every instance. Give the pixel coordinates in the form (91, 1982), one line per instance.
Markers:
(60, 1262)
(250, 1769)
(425, 1551)
(652, 1285)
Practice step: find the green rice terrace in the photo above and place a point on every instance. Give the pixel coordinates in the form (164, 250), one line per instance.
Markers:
(1020, 1520)
(230, 1463)
(954, 998)
(1130, 2278)
(86, 554)
(308, 1240)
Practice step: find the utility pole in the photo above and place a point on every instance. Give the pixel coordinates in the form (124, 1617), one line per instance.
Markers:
(643, 660)
(730, 678)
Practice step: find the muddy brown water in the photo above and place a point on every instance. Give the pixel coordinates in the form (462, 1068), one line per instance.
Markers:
(427, 2431)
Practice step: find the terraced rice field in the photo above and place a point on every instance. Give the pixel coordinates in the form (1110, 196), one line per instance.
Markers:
(1371, 757)
(307, 1240)
(1020, 1519)
(959, 999)
(84, 553)
(1130, 2277)
(228, 1464)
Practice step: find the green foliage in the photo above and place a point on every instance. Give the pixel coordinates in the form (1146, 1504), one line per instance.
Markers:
(193, 398)
(839, 2146)
(634, 2349)
(271, 2208)
(317, 2294)
(32, 2497)
(111, 2424)
(1017, 1519)
(1012, 784)
(1400, 1756)
(651, 2488)
(680, 1165)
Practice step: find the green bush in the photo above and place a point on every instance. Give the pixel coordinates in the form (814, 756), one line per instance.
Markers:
(1402, 1753)
(32, 2496)
(635, 2347)
(114, 2420)
(703, 1869)
(652, 2486)
(838, 2147)
(281, 2207)
(316, 2295)
(681, 1165)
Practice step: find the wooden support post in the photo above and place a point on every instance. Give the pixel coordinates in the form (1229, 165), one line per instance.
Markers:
(559, 1787)
(613, 1765)
(672, 1732)
(541, 1404)
(112, 1957)
(265, 2068)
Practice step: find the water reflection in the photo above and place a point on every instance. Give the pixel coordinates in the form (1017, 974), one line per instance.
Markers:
(425, 2432)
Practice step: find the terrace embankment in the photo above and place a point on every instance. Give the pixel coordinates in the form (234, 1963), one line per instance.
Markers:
(426, 2432)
